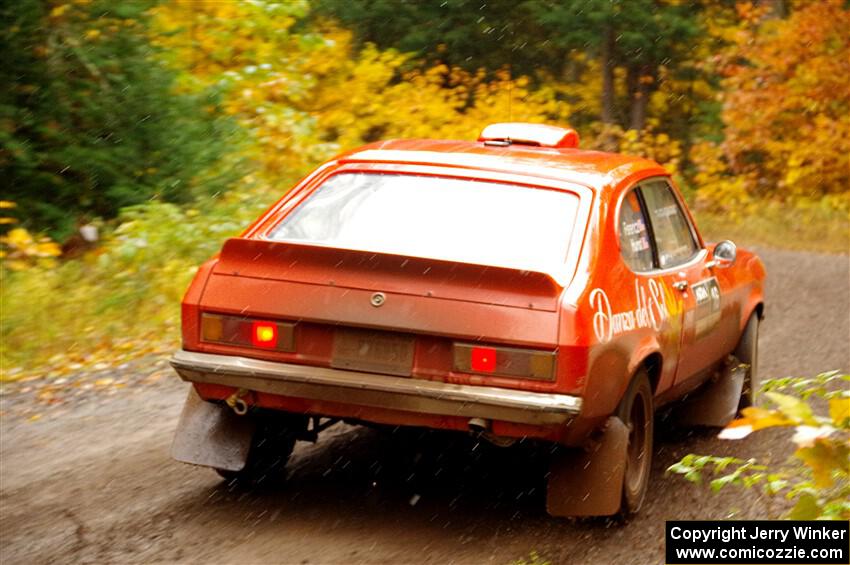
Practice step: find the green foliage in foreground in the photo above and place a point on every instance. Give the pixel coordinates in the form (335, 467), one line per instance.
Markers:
(121, 300)
(818, 480)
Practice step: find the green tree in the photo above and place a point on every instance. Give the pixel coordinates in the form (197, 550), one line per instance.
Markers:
(469, 34)
(90, 117)
(639, 37)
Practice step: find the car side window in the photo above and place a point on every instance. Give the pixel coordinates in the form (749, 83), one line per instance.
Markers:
(635, 246)
(674, 239)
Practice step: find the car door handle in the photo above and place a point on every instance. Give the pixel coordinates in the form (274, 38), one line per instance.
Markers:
(681, 285)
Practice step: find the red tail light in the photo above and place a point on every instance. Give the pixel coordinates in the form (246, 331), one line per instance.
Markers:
(236, 330)
(505, 361)
(483, 359)
(264, 334)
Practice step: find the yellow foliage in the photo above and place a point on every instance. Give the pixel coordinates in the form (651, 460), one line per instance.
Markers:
(266, 71)
(59, 10)
(306, 98)
(648, 143)
(719, 189)
(371, 98)
(657, 146)
(20, 250)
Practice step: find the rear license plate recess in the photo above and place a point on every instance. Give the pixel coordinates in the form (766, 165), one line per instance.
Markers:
(373, 351)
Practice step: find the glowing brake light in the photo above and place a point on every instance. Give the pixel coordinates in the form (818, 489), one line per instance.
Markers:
(238, 330)
(264, 334)
(483, 359)
(505, 361)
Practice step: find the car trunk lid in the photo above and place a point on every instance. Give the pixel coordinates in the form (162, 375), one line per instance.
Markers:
(420, 295)
(366, 270)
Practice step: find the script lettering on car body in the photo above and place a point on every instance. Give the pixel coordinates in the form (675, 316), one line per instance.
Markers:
(652, 308)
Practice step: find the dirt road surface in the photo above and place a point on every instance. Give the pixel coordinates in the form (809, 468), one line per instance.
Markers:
(91, 480)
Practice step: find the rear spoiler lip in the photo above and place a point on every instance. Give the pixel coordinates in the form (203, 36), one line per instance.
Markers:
(236, 249)
(554, 277)
(350, 287)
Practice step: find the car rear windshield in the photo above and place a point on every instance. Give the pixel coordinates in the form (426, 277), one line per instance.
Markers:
(469, 221)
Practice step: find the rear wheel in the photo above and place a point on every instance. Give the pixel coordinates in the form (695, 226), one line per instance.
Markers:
(636, 411)
(747, 352)
(271, 446)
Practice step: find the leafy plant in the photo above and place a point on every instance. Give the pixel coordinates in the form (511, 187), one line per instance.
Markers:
(819, 480)
(120, 300)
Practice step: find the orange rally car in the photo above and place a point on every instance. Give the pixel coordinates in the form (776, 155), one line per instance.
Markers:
(513, 287)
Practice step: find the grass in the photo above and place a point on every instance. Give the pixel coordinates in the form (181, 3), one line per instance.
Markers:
(810, 228)
(120, 301)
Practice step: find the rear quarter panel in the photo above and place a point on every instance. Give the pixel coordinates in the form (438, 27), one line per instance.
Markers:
(601, 365)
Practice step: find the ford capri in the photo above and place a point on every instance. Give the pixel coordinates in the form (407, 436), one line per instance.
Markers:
(513, 287)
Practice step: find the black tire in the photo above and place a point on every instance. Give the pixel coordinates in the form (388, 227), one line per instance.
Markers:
(747, 352)
(636, 411)
(271, 447)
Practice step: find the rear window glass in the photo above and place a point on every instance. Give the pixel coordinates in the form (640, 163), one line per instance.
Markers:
(461, 220)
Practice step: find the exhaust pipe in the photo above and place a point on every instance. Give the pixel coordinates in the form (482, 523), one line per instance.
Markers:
(478, 425)
(481, 427)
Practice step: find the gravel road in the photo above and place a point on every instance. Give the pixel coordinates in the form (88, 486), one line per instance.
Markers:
(92, 481)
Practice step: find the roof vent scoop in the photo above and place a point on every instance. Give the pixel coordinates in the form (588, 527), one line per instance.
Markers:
(538, 135)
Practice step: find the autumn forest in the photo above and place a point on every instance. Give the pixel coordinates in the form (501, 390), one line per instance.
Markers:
(137, 135)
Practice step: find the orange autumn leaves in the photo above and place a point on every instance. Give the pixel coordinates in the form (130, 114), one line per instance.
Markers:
(786, 108)
(789, 105)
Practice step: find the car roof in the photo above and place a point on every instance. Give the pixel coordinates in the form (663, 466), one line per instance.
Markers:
(594, 169)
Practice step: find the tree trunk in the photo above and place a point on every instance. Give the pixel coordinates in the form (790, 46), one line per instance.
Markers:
(640, 82)
(632, 84)
(607, 62)
(776, 9)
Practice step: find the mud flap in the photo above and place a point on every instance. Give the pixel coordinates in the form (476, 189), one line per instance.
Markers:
(212, 435)
(716, 404)
(590, 482)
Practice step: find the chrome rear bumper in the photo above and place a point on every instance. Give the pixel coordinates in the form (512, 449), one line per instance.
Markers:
(380, 391)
